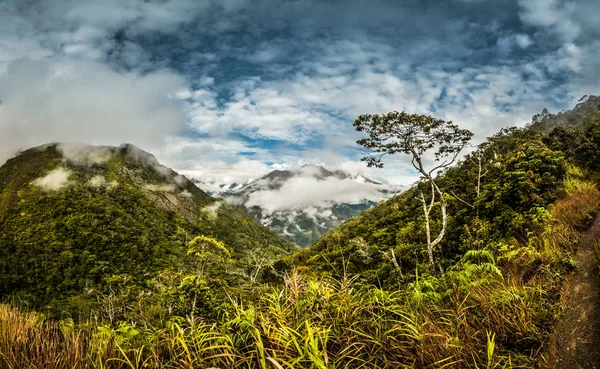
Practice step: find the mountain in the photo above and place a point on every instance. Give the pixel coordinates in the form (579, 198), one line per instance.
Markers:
(506, 253)
(216, 189)
(77, 218)
(582, 115)
(103, 232)
(305, 203)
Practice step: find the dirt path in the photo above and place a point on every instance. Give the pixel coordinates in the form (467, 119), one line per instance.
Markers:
(576, 340)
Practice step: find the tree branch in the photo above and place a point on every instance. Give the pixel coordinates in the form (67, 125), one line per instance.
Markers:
(461, 200)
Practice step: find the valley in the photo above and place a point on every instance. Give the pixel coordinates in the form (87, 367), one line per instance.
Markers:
(305, 203)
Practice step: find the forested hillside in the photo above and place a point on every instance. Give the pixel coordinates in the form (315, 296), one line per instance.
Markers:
(522, 178)
(580, 117)
(508, 218)
(499, 193)
(82, 226)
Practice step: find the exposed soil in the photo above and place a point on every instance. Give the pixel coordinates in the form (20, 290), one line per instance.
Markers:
(576, 340)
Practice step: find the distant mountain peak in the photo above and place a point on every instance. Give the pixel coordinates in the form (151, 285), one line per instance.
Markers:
(305, 202)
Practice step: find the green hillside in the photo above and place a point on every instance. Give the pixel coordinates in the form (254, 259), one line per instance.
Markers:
(79, 222)
(586, 112)
(523, 174)
(523, 178)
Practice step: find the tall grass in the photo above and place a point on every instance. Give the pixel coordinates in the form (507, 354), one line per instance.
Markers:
(493, 309)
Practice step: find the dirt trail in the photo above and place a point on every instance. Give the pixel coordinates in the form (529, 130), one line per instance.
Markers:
(576, 340)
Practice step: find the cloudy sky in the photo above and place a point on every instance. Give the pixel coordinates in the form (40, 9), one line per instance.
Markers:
(227, 90)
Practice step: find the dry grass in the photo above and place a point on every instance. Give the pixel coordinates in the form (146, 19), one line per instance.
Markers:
(577, 208)
(28, 341)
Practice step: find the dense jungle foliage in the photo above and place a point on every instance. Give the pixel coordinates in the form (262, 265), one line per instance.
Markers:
(118, 227)
(498, 194)
(361, 297)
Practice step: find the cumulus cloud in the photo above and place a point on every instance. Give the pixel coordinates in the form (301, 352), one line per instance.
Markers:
(53, 181)
(84, 102)
(320, 105)
(552, 14)
(259, 111)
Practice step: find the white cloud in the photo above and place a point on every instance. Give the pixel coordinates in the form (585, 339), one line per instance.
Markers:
(100, 181)
(88, 77)
(53, 181)
(87, 155)
(84, 102)
(513, 43)
(565, 59)
(97, 181)
(554, 15)
(190, 151)
(212, 211)
(218, 173)
(480, 98)
(523, 40)
(259, 111)
(266, 53)
(305, 191)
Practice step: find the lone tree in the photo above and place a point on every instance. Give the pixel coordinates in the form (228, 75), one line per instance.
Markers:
(208, 251)
(415, 135)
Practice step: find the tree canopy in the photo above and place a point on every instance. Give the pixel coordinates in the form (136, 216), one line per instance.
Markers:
(412, 134)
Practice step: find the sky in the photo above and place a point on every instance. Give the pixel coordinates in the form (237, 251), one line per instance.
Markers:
(229, 90)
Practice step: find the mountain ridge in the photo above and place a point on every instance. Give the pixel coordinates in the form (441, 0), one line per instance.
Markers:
(304, 203)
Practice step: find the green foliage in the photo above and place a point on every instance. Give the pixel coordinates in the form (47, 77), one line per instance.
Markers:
(583, 114)
(587, 153)
(195, 298)
(207, 250)
(529, 180)
(412, 134)
(566, 140)
(522, 178)
(93, 250)
(473, 317)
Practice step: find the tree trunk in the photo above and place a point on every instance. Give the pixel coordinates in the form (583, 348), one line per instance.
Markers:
(427, 210)
(428, 232)
(444, 215)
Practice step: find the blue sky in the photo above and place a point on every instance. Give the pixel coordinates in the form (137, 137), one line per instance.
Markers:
(228, 90)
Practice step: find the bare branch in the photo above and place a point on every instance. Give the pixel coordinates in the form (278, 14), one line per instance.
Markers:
(461, 200)
(432, 197)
